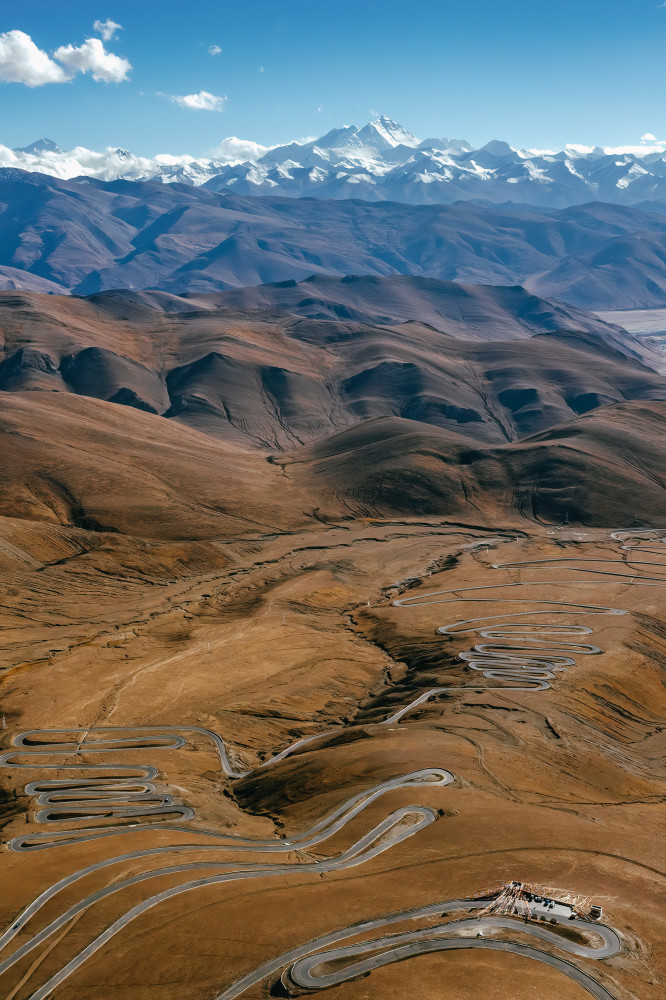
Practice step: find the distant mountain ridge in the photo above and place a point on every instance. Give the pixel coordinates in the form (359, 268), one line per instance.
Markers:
(380, 161)
(85, 236)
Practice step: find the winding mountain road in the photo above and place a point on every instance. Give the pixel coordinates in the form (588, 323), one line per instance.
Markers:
(531, 652)
(386, 834)
(301, 963)
(526, 657)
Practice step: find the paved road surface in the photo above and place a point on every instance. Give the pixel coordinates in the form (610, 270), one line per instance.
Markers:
(132, 793)
(533, 652)
(300, 969)
(385, 835)
(321, 831)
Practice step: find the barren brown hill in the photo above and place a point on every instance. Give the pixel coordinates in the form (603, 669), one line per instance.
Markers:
(594, 470)
(501, 365)
(270, 639)
(221, 739)
(91, 464)
(106, 468)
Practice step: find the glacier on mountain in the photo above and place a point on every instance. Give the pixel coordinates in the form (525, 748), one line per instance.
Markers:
(380, 161)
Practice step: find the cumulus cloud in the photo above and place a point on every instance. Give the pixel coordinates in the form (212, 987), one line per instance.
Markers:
(107, 29)
(648, 137)
(203, 101)
(233, 150)
(105, 165)
(214, 50)
(21, 61)
(111, 163)
(92, 57)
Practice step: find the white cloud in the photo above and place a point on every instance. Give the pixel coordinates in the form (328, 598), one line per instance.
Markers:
(22, 62)
(214, 50)
(526, 153)
(648, 137)
(658, 146)
(261, 69)
(110, 163)
(203, 101)
(105, 165)
(107, 29)
(577, 147)
(92, 57)
(233, 150)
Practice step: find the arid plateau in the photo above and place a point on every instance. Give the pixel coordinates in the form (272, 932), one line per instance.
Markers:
(333, 646)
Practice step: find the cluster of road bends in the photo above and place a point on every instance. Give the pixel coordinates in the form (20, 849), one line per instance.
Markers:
(308, 973)
(524, 656)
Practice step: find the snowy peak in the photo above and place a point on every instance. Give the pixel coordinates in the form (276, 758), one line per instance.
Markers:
(40, 146)
(384, 133)
(379, 161)
(380, 135)
(336, 138)
(375, 141)
(443, 145)
(498, 148)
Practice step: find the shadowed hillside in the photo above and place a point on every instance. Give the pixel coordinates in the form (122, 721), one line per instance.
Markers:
(108, 468)
(605, 467)
(85, 235)
(276, 367)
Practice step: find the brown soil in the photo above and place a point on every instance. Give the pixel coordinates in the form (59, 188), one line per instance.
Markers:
(275, 637)
(233, 567)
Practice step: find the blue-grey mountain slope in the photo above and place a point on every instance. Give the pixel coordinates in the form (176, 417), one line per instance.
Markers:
(86, 236)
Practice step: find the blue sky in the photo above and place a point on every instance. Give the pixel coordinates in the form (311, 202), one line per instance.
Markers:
(532, 72)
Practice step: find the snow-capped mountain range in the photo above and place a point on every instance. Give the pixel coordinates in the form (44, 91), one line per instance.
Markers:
(380, 161)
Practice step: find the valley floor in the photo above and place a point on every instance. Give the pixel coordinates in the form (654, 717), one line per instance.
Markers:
(642, 323)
